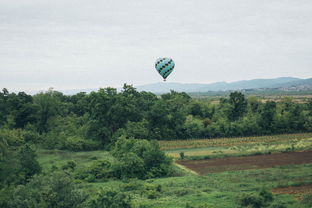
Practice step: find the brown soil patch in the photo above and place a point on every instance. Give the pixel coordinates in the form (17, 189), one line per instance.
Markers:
(247, 162)
(293, 190)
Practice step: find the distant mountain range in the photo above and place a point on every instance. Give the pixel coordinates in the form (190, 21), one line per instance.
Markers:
(281, 83)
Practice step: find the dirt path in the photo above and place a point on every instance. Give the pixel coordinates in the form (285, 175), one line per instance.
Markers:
(248, 162)
(186, 169)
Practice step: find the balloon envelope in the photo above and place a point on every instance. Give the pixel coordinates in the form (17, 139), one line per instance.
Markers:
(164, 66)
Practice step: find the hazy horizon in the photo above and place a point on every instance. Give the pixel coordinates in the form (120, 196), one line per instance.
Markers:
(78, 44)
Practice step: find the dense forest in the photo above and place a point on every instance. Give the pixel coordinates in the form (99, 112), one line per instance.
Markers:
(94, 121)
(127, 124)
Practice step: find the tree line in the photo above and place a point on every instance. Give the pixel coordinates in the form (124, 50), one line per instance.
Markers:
(94, 121)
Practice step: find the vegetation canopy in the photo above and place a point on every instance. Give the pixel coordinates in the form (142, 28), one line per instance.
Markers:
(105, 148)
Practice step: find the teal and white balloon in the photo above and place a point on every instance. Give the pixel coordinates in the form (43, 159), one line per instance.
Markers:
(164, 66)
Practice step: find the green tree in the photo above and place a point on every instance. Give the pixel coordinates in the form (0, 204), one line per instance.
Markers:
(309, 107)
(55, 191)
(239, 105)
(80, 103)
(167, 116)
(29, 166)
(142, 158)
(268, 117)
(47, 104)
(253, 104)
(111, 111)
(137, 130)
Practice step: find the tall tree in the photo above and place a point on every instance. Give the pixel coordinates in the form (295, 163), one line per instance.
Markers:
(239, 105)
(47, 104)
(268, 117)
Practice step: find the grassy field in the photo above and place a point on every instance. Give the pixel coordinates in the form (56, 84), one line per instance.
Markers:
(225, 189)
(216, 190)
(50, 159)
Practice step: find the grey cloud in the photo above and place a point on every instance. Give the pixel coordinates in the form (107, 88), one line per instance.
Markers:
(80, 44)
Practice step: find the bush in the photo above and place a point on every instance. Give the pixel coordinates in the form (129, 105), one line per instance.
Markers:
(110, 198)
(140, 158)
(70, 165)
(57, 190)
(12, 137)
(75, 143)
(6, 196)
(182, 155)
(152, 194)
(263, 199)
(152, 191)
(32, 137)
(29, 165)
(129, 166)
(307, 200)
(132, 185)
(99, 169)
(252, 201)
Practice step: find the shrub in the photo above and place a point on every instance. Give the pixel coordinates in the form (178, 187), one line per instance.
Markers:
(152, 194)
(132, 185)
(110, 198)
(252, 201)
(267, 196)
(152, 191)
(32, 137)
(99, 169)
(307, 200)
(57, 190)
(263, 199)
(140, 158)
(75, 143)
(70, 165)
(182, 155)
(29, 165)
(129, 166)
(12, 137)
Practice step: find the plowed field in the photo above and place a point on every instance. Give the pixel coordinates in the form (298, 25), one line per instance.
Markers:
(247, 162)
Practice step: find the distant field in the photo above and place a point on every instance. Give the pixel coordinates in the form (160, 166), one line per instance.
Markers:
(240, 146)
(197, 143)
(297, 97)
(248, 162)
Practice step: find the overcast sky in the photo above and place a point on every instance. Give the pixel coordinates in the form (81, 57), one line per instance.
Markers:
(78, 44)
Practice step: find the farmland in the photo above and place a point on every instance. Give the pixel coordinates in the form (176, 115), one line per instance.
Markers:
(220, 147)
(247, 162)
(217, 190)
(220, 188)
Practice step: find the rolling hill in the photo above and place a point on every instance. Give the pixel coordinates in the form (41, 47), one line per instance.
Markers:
(284, 83)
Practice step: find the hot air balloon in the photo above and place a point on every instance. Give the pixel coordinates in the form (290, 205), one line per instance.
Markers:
(164, 66)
